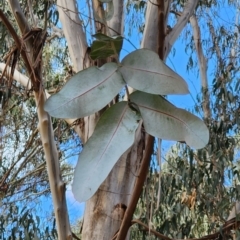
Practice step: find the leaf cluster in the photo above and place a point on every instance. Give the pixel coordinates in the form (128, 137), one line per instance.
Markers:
(92, 89)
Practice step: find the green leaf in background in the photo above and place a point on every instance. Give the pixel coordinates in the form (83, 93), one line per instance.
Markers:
(163, 120)
(113, 135)
(105, 46)
(144, 71)
(86, 92)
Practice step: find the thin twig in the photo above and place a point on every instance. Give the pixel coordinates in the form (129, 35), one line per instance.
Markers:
(227, 227)
(160, 171)
(157, 234)
(75, 236)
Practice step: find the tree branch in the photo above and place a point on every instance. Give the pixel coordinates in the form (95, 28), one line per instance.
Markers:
(19, 77)
(19, 16)
(71, 23)
(161, 29)
(117, 20)
(151, 27)
(143, 171)
(181, 23)
(202, 66)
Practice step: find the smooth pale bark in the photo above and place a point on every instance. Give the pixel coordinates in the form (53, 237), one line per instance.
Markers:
(116, 23)
(57, 186)
(77, 44)
(171, 38)
(202, 66)
(150, 33)
(20, 78)
(74, 34)
(105, 210)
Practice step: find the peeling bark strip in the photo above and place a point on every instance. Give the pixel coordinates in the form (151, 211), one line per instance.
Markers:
(57, 186)
(18, 43)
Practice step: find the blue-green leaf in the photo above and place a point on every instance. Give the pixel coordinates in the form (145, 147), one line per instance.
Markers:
(113, 135)
(144, 71)
(86, 92)
(163, 120)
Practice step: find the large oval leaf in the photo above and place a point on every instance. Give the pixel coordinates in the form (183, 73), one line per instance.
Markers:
(113, 135)
(86, 92)
(144, 71)
(164, 120)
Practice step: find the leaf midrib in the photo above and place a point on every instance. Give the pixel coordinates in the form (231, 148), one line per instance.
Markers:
(104, 151)
(148, 71)
(85, 91)
(171, 116)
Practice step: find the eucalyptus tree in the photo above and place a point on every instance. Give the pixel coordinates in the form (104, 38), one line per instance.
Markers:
(117, 135)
